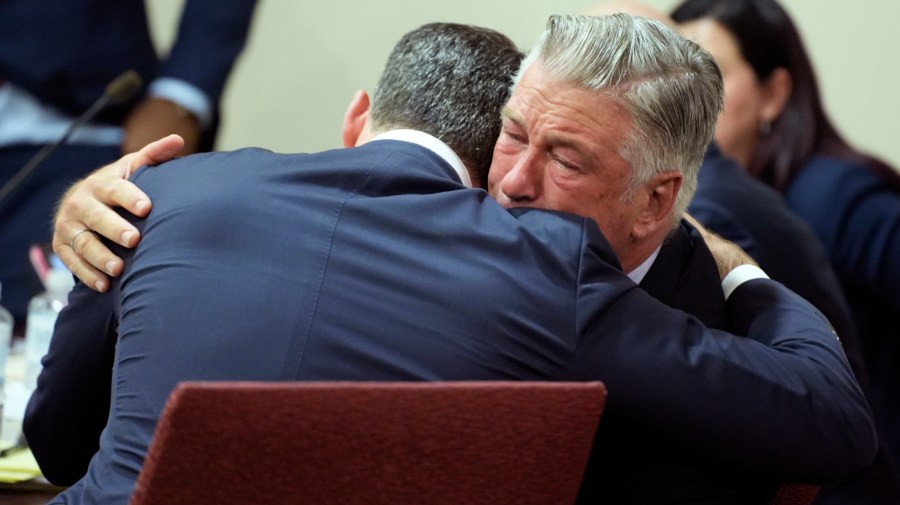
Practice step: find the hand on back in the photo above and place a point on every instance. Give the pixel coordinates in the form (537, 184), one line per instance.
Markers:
(87, 210)
(727, 254)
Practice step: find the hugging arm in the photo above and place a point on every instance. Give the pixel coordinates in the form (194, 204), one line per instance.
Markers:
(89, 205)
(781, 401)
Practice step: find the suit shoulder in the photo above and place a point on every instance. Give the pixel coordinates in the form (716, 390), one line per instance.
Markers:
(568, 233)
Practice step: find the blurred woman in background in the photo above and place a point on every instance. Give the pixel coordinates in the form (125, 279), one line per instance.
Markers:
(775, 125)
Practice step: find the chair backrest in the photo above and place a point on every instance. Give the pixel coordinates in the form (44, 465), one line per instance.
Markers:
(373, 443)
(795, 494)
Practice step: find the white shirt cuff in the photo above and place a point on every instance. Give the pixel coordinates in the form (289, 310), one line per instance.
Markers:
(186, 95)
(740, 275)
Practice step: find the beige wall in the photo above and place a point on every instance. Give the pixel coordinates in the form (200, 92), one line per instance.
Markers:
(305, 59)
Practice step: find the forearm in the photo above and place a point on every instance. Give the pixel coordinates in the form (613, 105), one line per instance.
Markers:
(818, 410)
(782, 401)
(721, 221)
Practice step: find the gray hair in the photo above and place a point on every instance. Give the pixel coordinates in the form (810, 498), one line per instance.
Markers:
(451, 81)
(670, 86)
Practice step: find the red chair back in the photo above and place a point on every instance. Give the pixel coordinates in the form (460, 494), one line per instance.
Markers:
(373, 443)
(795, 494)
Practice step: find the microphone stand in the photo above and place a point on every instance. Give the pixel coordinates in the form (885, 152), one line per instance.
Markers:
(120, 90)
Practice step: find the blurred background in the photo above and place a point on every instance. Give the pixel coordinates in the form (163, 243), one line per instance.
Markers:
(305, 59)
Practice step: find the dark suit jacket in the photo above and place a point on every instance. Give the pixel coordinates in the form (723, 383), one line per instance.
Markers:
(685, 276)
(742, 209)
(375, 263)
(65, 52)
(634, 465)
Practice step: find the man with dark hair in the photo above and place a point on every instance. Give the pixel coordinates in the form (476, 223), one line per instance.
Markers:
(333, 200)
(463, 115)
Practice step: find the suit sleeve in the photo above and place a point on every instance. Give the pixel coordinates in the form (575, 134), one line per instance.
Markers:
(211, 34)
(781, 401)
(69, 408)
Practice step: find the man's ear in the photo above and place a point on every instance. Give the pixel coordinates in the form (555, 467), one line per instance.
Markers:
(777, 89)
(355, 119)
(662, 191)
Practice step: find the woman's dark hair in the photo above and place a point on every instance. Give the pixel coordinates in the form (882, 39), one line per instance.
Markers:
(768, 39)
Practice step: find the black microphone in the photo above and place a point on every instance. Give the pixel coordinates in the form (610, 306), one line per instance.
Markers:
(122, 89)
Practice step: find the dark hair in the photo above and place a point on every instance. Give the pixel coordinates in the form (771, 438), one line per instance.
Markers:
(451, 81)
(768, 39)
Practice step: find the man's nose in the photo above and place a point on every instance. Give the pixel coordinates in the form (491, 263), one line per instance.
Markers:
(523, 182)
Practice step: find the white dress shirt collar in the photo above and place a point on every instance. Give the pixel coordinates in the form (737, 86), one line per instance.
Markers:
(735, 278)
(638, 274)
(434, 145)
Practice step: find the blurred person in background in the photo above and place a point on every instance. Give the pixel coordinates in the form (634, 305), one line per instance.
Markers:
(56, 59)
(775, 125)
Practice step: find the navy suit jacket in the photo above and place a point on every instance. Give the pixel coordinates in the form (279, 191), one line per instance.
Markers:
(375, 263)
(685, 276)
(742, 209)
(632, 464)
(65, 52)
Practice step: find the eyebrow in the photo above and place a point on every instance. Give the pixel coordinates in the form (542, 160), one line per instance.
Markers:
(557, 140)
(506, 112)
(552, 137)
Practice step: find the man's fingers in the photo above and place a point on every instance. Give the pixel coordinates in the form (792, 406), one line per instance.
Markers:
(89, 207)
(86, 206)
(98, 214)
(63, 233)
(75, 215)
(130, 197)
(84, 253)
(90, 276)
(86, 273)
(112, 190)
(94, 252)
(157, 152)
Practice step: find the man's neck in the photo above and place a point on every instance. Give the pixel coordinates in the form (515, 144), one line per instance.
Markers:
(639, 257)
